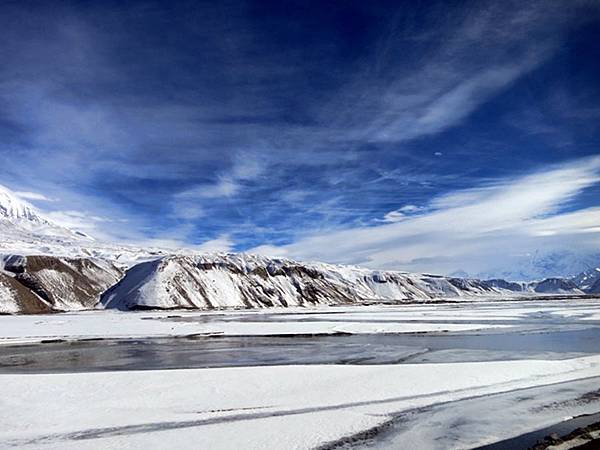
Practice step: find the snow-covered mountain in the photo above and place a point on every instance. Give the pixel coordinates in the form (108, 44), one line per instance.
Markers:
(594, 288)
(14, 209)
(587, 279)
(543, 264)
(47, 267)
(242, 281)
(545, 286)
(26, 231)
(19, 218)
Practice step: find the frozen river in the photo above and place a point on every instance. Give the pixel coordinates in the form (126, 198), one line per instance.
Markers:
(420, 376)
(547, 331)
(237, 351)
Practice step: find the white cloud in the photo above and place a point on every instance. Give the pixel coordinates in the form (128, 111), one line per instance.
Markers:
(221, 244)
(247, 167)
(401, 213)
(470, 229)
(472, 59)
(224, 187)
(394, 216)
(76, 220)
(294, 196)
(410, 209)
(188, 205)
(187, 209)
(33, 196)
(442, 109)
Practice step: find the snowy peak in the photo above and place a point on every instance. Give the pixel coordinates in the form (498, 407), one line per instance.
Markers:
(26, 231)
(585, 280)
(595, 288)
(15, 209)
(547, 264)
(22, 222)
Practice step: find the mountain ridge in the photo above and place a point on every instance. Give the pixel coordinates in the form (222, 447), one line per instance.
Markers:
(46, 267)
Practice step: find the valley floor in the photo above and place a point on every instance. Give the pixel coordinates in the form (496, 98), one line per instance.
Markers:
(416, 376)
(411, 318)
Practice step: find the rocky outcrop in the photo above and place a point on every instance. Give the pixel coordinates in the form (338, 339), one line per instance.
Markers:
(16, 298)
(44, 283)
(587, 279)
(507, 285)
(555, 286)
(594, 288)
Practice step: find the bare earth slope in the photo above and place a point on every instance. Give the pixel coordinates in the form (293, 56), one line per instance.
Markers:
(41, 283)
(16, 298)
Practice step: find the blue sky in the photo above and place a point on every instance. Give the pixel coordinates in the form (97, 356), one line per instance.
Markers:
(416, 135)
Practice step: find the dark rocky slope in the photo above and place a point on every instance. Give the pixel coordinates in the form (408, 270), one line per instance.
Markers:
(47, 283)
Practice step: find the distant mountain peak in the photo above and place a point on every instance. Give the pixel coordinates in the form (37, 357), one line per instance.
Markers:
(16, 209)
(548, 264)
(589, 280)
(24, 230)
(20, 219)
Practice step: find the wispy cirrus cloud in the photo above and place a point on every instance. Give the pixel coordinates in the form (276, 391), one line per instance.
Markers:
(78, 220)
(477, 54)
(291, 126)
(36, 196)
(477, 229)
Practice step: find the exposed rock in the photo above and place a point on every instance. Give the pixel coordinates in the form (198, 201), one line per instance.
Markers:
(507, 285)
(587, 279)
(63, 283)
(16, 298)
(556, 285)
(595, 288)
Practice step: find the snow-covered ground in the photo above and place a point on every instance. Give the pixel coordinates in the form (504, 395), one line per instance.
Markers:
(279, 407)
(466, 403)
(466, 423)
(110, 324)
(354, 319)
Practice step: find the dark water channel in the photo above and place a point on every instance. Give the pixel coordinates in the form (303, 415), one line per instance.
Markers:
(204, 352)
